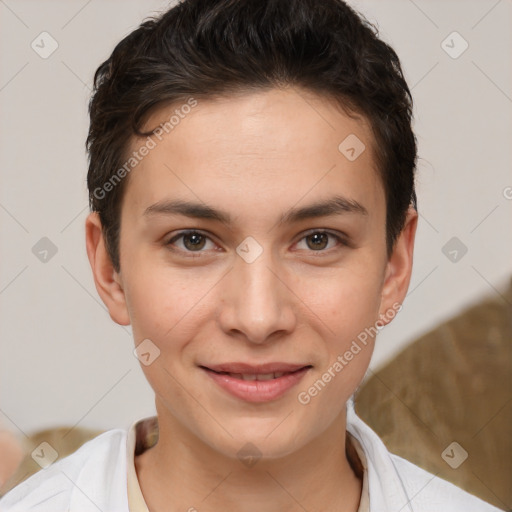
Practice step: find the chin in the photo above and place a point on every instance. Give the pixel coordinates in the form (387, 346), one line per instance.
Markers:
(262, 438)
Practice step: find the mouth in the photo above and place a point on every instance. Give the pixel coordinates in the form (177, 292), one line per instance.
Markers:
(256, 383)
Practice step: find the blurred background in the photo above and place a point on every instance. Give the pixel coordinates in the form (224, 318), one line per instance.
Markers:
(65, 363)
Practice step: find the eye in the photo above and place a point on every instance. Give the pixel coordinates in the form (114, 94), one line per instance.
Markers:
(318, 241)
(192, 241)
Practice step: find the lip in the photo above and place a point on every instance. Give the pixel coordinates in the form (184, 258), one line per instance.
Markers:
(254, 390)
(255, 368)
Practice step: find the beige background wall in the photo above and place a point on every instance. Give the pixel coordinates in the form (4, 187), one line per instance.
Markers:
(63, 361)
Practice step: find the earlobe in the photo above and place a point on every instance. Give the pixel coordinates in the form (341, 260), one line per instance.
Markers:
(399, 269)
(108, 282)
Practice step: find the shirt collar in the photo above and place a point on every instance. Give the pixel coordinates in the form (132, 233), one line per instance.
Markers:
(143, 434)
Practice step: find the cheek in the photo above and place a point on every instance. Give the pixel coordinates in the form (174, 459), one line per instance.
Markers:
(349, 309)
(347, 302)
(160, 300)
(165, 308)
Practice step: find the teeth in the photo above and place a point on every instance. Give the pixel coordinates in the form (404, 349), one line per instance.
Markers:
(265, 376)
(260, 376)
(247, 377)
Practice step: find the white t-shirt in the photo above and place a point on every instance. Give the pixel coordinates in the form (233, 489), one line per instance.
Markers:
(101, 476)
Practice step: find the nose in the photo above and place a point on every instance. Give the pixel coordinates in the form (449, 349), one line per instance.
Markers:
(257, 303)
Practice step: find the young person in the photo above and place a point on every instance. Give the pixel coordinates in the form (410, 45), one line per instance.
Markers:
(253, 218)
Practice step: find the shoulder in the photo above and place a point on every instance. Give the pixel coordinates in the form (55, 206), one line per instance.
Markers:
(394, 483)
(92, 477)
(427, 492)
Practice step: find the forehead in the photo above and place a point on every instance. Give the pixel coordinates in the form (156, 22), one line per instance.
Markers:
(281, 145)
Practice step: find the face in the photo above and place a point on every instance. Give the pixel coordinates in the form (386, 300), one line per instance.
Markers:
(252, 247)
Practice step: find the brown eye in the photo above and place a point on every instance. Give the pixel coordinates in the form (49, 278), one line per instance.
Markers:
(321, 242)
(194, 241)
(317, 241)
(190, 242)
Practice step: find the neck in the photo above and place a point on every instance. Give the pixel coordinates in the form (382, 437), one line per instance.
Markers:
(182, 473)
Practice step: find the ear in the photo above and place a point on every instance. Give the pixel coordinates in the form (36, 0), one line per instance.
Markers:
(398, 270)
(108, 282)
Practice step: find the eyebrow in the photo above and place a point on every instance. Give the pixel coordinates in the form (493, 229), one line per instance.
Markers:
(336, 205)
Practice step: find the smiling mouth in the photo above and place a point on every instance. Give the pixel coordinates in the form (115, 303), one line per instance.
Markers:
(257, 383)
(256, 376)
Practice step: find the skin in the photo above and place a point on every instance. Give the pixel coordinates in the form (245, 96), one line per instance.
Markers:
(11, 455)
(254, 156)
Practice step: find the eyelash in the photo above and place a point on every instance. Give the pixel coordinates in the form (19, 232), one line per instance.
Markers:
(195, 254)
